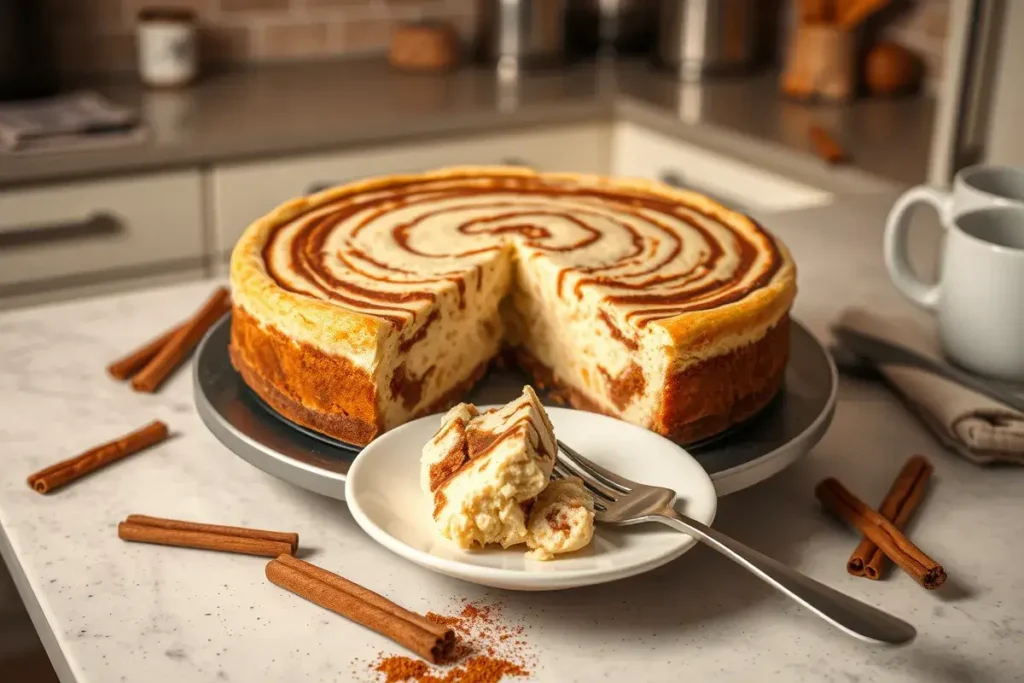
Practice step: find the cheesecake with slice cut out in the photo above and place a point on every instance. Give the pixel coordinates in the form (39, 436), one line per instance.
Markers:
(366, 305)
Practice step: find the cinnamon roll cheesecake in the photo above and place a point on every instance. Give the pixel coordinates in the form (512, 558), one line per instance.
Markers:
(366, 305)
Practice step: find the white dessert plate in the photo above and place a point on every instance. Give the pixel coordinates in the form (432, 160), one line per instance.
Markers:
(383, 492)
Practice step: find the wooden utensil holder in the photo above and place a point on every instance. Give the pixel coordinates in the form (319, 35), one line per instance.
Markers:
(820, 63)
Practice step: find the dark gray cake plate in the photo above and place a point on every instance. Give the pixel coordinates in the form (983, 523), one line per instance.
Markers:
(779, 435)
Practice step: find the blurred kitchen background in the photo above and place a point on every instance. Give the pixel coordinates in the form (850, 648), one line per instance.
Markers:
(139, 138)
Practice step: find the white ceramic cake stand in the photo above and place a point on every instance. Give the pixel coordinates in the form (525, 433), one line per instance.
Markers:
(781, 434)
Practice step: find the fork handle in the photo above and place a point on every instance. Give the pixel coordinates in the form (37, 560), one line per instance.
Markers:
(848, 614)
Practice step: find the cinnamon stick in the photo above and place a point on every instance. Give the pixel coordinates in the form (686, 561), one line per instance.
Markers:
(430, 641)
(291, 539)
(138, 533)
(882, 533)
(898, 506)
(174, 351)
(67, 471)
(125, 367)
(826, 146)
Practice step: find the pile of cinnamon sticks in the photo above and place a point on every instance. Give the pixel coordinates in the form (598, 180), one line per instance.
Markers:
(882, 529)
(151, 364)
(148, 367)
(433, 642)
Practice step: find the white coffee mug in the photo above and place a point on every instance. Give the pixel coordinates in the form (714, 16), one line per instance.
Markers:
(974, 187)
(979, 298)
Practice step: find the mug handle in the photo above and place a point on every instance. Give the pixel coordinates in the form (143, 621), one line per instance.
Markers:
(897, 259)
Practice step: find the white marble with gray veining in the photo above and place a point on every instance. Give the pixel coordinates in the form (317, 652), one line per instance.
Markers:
(110, 611)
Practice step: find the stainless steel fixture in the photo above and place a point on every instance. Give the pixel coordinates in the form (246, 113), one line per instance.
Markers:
(697, 38)
(513, 34)
(27, 60)
(612, 27)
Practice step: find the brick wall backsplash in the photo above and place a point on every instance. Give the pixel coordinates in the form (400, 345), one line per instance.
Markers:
(99, 35)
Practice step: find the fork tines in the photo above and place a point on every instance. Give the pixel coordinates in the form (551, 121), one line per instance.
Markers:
(603, 484)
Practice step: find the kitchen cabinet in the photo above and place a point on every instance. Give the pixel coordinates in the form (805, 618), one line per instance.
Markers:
(56, 235)
(643, 153)
(241, 193)
(17, 638)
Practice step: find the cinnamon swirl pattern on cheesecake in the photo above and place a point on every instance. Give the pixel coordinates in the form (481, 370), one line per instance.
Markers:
(366, 305)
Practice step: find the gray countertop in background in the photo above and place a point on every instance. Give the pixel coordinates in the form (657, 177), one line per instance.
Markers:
(304, 108)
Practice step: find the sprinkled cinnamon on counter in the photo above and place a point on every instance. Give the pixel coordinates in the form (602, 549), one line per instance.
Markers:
(454, 622)
(400, 668)
(488, 651)
(478, 669)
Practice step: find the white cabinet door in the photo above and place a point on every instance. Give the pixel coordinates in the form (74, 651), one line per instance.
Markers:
(642, 153)
(241, 193)
(99, 227)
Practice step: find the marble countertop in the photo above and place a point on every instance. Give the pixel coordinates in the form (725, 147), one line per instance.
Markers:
(310, 108)
(109, 611)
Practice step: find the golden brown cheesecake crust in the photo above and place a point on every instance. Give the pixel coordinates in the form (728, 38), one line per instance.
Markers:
(295, 379)
(700, 401)
(706, 399)
(325, 393)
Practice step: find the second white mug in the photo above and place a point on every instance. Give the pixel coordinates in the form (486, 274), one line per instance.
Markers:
(979, 298)
(974, 187)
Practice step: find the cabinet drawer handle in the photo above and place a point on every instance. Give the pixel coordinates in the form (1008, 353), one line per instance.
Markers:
(676, 180)
(97, 225)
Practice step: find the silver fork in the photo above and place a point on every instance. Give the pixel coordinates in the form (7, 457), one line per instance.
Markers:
(619, 501)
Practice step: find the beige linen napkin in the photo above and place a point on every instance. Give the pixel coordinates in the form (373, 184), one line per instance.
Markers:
(980, 429)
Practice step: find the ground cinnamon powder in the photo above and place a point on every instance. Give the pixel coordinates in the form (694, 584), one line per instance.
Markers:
(402, 669)
(486, 651)
(480, 669)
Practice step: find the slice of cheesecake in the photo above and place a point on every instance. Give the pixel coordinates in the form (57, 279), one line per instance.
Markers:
(483, 470)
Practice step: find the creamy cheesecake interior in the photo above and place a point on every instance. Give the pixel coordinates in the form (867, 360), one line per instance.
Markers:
(370, 304)
(561, 520)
